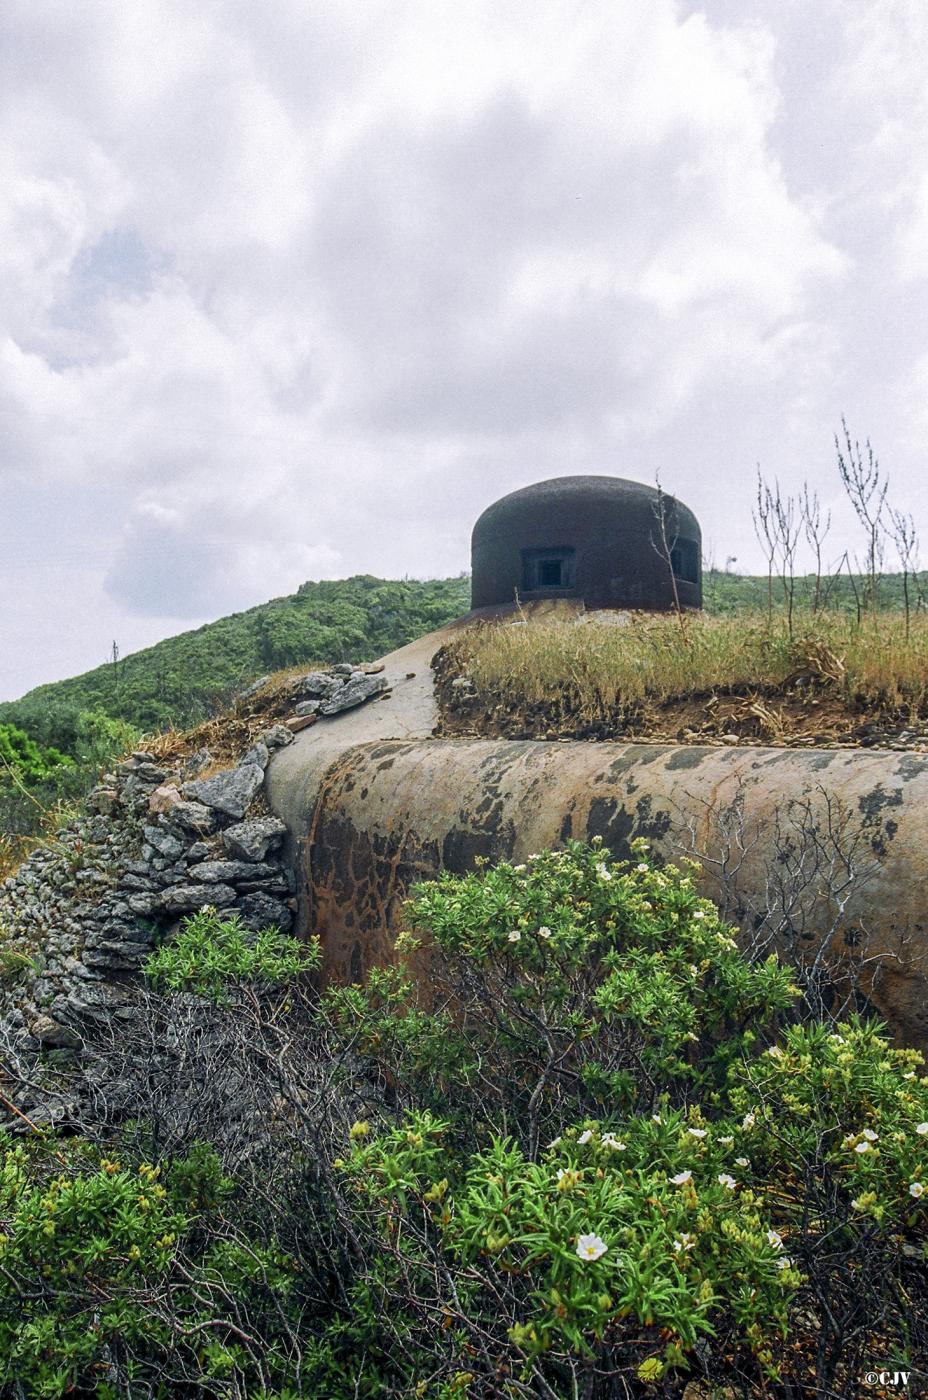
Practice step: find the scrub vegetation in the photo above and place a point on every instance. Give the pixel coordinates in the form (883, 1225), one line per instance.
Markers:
(606, 1156)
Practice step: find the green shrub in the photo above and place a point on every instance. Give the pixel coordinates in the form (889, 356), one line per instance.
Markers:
(213, 952)
(131, 1286)
(570, 985)
(585, 1150)
(614, 1147)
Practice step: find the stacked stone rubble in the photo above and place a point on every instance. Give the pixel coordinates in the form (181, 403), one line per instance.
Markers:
(80, 916)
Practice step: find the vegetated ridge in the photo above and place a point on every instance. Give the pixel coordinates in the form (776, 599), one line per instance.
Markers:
(186, 678)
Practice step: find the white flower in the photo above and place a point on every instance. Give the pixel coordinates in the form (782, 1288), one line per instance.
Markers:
(774, 1239)
(518, 869)
(553, 1143)
(604, 872)
(921, 1129)
(727, 1141)
(682, 1178)
(697, 1132)
(514, 936)
(784, 1263)
(725, 941)
(642, 868)
(749, 1120)
(699, 913)
(694, 970)
(857, 1203)
(870, 1135)
(585, 1137)
(909, 1075)
(544, 931)
(610, 1140)
(655, 1117)
(916, 1189)
(862, 1147)
(742, 1162)
(775, 1052)
(684, 1242)
(728, 1181)
(838, 1039)
(591, 1247)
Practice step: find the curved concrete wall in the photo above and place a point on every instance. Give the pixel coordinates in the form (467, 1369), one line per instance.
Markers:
(607, 523)
(388, 813)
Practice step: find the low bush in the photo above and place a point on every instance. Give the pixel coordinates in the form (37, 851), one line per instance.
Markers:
(572, 1144)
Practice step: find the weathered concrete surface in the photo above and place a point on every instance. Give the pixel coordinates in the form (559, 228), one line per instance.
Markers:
(392, 812)
(837, 840)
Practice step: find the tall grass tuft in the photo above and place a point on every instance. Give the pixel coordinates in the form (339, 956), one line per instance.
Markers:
(594, 665)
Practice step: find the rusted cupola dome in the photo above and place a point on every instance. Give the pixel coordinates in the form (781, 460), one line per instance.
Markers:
(596, 539)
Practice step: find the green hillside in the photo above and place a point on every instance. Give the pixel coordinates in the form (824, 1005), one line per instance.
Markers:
(186, 678)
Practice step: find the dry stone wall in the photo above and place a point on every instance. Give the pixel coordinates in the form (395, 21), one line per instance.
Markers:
(81, 915)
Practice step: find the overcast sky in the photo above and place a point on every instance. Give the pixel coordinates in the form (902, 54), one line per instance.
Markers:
(294, 290)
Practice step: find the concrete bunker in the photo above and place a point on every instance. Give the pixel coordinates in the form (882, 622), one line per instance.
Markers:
(598, 540)
(373, 802)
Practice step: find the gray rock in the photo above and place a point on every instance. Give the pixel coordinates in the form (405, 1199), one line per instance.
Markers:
(184, 899)
(258, 755)
(253, 689)
(137, 882)
(91, 1001)
(252, 840)
(342, 668)
(103, 800)
(277, 737)
(196, 762)
(230, 791)
(259, 911)
(148, 773)
(319, 685)
(217, 872)
(47, 1031)
(353, 694)
(122, 957)
(306, 707)
(192, 816)
(165, 844)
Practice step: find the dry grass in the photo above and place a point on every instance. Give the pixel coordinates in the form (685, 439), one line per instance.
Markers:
(598, 665)
(228, 735)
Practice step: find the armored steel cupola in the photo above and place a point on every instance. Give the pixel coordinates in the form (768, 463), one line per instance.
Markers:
(596, 539)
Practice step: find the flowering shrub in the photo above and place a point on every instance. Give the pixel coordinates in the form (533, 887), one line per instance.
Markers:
(570, 985)
(597, 1231)
(584, 1149)
(615, 1147)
